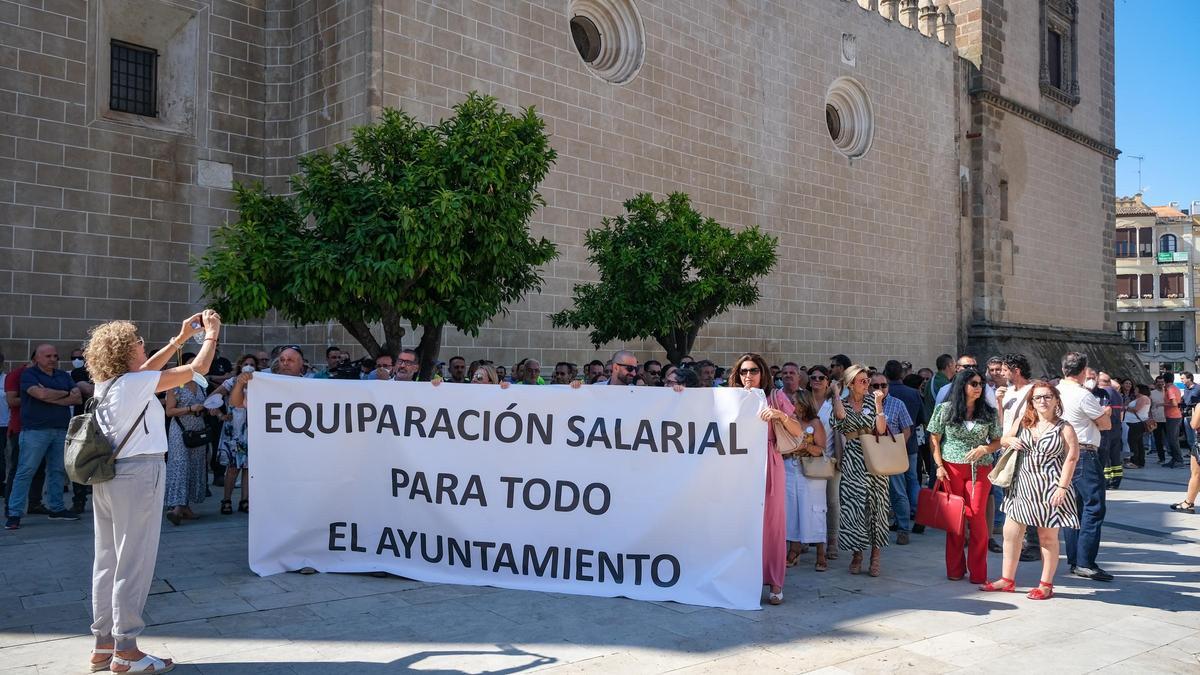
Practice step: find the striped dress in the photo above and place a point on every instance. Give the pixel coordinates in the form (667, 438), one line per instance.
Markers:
(864, 498)
(1039, 469)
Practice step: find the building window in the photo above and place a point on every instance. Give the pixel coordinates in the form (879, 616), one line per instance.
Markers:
(1146, 242)
(1126, 243)
(1054, 57)
(849, 117)
(1136, 332)
(133, 85)
(609, 37)
(1170, 286)
(586, 37)
(1170, 336)
(1126, 286)
(1059, 79)
(1168, 243)
(1146, 286)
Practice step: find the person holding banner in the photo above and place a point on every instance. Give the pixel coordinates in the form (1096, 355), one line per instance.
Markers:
(864, 497)
(750, 372)
(126, 509)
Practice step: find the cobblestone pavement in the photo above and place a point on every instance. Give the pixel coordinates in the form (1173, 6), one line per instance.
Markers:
(211, 614)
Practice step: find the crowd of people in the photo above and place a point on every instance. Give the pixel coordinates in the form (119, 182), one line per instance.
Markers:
(1075, 433)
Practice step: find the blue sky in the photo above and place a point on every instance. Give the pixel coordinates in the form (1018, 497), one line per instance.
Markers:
(1158, 99)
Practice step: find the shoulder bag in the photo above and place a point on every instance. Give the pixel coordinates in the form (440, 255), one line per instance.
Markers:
(884, 455)
(195, 439)
(88, 455)
(1005, 468)
(785, 442)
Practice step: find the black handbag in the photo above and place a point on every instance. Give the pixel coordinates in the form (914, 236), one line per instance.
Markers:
(195, 439)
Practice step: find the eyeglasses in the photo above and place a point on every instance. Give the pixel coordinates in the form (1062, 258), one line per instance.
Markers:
(408, 362)
(879, 386)
(1044, 397)
(975, 383)
(749, 371)
(626, 366)
(817, 378)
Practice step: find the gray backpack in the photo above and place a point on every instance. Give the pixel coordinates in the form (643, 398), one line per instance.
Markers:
(89, 457)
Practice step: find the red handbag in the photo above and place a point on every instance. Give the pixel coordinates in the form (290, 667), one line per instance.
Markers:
(938, 508)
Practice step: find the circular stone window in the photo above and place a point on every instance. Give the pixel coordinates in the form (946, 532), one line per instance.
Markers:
(609, 37)
(849, 117)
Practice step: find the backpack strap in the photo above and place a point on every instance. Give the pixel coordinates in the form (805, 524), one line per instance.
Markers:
(129, 433)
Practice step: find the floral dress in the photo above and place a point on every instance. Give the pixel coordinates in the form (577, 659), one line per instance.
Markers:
(232, 449)
(864, 497)
(187, 473)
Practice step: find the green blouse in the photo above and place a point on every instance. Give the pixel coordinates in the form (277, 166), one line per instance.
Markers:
(959, 439)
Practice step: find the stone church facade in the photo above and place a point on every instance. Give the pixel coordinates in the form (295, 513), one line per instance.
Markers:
(939, 177)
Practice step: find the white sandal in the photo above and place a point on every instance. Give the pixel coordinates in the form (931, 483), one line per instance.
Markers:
(146, 664)
(98, 666)
(775, 598)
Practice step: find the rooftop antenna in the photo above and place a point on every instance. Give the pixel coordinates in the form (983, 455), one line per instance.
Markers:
(1141, 189)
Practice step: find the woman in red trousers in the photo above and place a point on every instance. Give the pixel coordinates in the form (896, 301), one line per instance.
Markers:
(964, 433)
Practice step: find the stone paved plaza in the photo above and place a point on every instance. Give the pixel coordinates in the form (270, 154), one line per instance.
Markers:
(212, 615)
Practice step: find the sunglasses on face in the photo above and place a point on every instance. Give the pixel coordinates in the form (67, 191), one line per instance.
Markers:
(975, 383)
(817, 378)
(632, 369)
(482, 378)
(749, 371)
(880, 385)
(141, 341)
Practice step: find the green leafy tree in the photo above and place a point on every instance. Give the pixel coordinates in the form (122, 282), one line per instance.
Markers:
(406, 223)
(665, 271)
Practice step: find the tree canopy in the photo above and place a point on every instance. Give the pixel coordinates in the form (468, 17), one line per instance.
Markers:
(407, 222)
(666, 270)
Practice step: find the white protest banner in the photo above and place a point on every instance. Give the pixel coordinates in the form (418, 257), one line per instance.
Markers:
(613, 491)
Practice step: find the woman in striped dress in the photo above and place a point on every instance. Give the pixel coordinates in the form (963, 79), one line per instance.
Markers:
(1041, 495)
(864, 497)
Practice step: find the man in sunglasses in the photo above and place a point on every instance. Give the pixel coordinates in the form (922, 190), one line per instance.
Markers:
(963, 363)
(624, 370)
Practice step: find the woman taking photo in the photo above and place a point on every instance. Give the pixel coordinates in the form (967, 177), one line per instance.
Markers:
(806, 496)
(819, 386)
(1041, 495)
(863, 496)
(1137, 412)
(963, 433)
(126, 508)
(187, 471)
(750, 372)
(233, 449)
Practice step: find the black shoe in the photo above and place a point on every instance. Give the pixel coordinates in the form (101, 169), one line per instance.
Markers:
(78, 508)
(994, 546)
(1095, 574)
(1030, 553)
(1169, 465)
(13, 523)
(62, 515)
(918, 529)
(893, 527)
(37, 510)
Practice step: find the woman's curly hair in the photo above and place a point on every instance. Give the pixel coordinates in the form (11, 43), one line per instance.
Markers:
(108, 349)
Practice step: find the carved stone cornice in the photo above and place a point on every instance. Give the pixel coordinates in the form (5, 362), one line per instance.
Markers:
(1008, 105)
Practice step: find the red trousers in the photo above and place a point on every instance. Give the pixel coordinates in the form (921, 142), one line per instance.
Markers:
(978, 528)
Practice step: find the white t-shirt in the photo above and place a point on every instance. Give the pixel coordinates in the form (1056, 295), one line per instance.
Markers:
(1157, 399)
(989, 394)
(1081, 408)
(1014, 408)
(118, 410)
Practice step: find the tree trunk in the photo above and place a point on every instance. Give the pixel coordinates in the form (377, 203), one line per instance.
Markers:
(393, 333)
(428, 348)
(362, 332)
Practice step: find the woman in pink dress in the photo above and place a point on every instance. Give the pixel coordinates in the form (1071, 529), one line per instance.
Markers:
(750, 372)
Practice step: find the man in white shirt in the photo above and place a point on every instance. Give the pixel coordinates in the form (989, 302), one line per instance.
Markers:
(1085, 414)
(1012, 396)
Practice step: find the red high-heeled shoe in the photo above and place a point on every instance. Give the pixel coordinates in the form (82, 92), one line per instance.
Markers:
(1044, 591)
(992, 587)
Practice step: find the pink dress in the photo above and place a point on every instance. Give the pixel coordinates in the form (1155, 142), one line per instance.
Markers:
(774, 556)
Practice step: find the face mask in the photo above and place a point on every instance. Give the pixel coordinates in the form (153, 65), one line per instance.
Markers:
(248, 369)
(78, 363)
(1089, 384)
